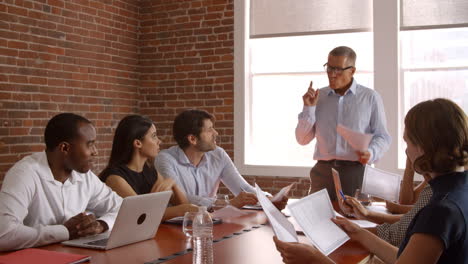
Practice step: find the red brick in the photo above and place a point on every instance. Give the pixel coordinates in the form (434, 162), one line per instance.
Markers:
(8, 52)
(21, 97)
(17, 11)
(18, 79)
(172, 65)
(38, 80)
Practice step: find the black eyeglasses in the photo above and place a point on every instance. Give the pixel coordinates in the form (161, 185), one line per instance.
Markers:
(337, 70)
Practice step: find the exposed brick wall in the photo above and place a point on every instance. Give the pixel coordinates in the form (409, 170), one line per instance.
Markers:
(186, 61)
(108, 58)
(64, 56)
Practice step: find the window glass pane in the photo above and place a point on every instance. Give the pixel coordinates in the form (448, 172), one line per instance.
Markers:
(434, 48)
(276, 103)
(431, 71)
(281, 70)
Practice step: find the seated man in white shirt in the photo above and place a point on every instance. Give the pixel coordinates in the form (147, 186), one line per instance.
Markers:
(198, 165)
(46, 197)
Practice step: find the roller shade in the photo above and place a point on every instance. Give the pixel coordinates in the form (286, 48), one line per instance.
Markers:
(298, 17)
(433, 13)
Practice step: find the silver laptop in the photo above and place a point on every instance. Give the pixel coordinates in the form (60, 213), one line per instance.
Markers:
(138, 219)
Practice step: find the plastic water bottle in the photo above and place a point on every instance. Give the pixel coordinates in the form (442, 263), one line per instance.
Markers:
(202, 237)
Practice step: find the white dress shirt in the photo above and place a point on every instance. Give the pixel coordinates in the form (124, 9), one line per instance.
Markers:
(201, 182)
(360, 109)
(34, 206)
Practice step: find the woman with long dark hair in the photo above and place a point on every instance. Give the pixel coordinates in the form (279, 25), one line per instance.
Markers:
(130, 170)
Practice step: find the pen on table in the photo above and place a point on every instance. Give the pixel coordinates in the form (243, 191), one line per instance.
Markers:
(342, 195)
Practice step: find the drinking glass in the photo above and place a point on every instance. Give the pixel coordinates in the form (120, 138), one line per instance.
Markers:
(222, 200)
(187, 223)
(365, 199)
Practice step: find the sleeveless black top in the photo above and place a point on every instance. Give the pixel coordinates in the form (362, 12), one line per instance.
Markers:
(141, 182)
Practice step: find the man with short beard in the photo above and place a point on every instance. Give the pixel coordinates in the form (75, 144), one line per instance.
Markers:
(197, 164)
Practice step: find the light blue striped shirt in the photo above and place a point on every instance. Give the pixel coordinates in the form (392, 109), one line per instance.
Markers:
(360, 109)
(201, 182)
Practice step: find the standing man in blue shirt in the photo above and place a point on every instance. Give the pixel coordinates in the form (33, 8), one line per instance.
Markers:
(347, 103)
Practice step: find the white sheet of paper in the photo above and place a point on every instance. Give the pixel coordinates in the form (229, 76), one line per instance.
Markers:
(361, 223)
(378, 207)
(357, 140)
(364, 223)
(313, 214)
(381, 183)
(283, 229)
(228, 212)
(283, 192)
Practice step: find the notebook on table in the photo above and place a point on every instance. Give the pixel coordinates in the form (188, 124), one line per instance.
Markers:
(35, 255)
(138, 219)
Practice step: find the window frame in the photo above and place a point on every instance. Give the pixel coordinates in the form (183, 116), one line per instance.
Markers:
(387, 82)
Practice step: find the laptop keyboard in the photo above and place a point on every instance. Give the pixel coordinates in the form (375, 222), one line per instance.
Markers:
(100, 242)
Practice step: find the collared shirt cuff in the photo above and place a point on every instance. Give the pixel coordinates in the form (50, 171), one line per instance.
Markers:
(309, 110)
(208, 202)
(58, 233)
(201, 201)
(307, 114)
(372, 156)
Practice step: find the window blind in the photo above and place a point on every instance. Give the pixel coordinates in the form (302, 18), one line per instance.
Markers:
(420, 14)
(300, 17)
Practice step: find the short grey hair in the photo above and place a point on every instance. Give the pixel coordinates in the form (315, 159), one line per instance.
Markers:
(345, 51)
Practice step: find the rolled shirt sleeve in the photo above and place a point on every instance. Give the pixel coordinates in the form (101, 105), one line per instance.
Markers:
(305, 129)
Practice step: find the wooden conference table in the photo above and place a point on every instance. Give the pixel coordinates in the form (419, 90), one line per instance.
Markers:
(249, 240)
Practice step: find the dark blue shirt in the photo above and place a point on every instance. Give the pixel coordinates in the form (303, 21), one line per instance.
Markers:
(445, 217)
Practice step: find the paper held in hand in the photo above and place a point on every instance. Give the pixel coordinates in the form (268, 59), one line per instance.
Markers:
(313, 213)
(282, 193)
(283, 229)
(359, 141)
(381, 184)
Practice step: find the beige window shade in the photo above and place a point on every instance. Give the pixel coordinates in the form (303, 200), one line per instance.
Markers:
(301, 17)
(417, 14)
